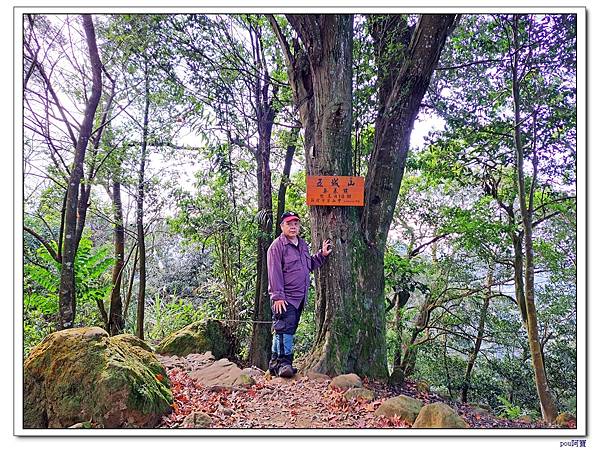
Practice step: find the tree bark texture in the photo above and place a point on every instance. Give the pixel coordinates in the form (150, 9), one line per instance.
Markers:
(263, 96)
(130, 284)
(547, 402)
(261, 332)
(67, 300)
(350, 304)
(116, 322)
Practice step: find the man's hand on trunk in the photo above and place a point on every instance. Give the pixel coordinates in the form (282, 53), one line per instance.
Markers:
(279, 306)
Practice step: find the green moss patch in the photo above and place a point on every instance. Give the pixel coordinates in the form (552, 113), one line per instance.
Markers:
(198, 337)
(84, 374)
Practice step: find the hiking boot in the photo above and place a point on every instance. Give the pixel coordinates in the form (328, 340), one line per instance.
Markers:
(286, 370)
(274, 365)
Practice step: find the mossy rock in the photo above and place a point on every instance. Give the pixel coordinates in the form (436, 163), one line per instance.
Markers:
(244, 380)
(84, 375)
(346, 381)
(406, 408)
(359, 393)
(563, 419)
(198, 337)
(422, 386)
(439, 415)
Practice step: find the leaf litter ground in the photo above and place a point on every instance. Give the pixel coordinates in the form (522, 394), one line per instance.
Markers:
(303, 403)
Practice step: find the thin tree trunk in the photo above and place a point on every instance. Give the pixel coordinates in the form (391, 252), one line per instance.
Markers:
(547, 402)
(400, 299)
(67, 300)
(517, 244)
(141, 305)
(116, 322)
(260, 344)
(261, 332)
(130, 284)
(518, 265)
(285, 179)
(409, 358)
(86, 187)
(479, 338)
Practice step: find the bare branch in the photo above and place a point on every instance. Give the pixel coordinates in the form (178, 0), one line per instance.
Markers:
(42, 241)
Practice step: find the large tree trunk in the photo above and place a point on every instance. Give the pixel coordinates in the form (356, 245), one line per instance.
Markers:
(141, 305)
(343, 323)
(67, 300)
(547, 402)
(350, 303)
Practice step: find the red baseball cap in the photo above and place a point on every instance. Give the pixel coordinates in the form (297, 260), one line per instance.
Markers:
(287, 216)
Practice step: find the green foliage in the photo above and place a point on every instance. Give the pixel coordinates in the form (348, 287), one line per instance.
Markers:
(402, 273)
(167, 316)
(440, 366)
(463, 185)
(91, 268)
(508, 410)
(220, 217)
(41, 289)
(36, 326)
(295, 199)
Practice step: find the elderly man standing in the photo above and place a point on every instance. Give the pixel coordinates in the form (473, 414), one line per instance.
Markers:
(289, 265)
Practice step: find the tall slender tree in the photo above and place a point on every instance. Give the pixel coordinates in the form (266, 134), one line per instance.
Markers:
(526, 206)
(56, 119)
(516, 139)
(70, 243)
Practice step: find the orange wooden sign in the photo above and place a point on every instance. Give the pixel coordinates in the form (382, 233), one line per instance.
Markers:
(335, 190)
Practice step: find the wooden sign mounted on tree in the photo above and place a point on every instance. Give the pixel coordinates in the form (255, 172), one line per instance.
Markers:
(335, 190)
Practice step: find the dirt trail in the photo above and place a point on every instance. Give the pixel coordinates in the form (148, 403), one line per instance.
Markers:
(301, 403)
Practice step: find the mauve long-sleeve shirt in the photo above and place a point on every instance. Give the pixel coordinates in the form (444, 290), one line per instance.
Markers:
(289, 268)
